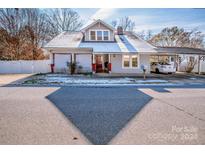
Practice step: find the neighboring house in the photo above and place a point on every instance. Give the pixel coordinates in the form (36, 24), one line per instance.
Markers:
(98, 47)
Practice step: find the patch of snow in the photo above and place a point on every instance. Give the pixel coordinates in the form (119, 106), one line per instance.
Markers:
(128, 85)
(60, 79)
(152, 81)
(75, 80)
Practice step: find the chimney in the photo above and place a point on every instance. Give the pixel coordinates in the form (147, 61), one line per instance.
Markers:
(119, 30)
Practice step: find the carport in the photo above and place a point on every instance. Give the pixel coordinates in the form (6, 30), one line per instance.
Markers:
(174, 54)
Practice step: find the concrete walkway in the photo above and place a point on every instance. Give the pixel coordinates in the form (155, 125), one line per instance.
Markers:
(13, 78)
(173, 117)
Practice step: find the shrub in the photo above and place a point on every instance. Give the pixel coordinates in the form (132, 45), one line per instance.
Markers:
(191, 62)
(72, 67)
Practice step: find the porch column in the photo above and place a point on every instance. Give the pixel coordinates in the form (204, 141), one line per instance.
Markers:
(72, 58)
(93, 64)
(52, 58)
(109, 63)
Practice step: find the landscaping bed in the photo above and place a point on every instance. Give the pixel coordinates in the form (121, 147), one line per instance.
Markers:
(64, 79)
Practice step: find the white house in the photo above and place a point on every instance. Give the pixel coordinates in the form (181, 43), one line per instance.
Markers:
(98, 47)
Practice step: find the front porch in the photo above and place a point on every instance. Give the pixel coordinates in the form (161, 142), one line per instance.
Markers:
(101, 63)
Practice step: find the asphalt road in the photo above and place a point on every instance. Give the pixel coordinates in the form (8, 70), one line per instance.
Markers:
(102, 115)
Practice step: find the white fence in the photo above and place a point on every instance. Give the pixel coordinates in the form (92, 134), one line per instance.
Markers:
(185, 59)
(24, 66)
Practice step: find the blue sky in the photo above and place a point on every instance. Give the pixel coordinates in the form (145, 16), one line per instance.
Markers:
(150, 19)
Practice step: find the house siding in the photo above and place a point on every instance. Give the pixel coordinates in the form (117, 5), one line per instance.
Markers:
(116, 61)
(101, 27)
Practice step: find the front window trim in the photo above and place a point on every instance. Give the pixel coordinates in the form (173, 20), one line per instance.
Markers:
(91, 35)
(108, 34)
(99, 35)
(125, 58)
(130, 62)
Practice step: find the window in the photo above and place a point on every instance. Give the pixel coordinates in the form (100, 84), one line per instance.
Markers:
(126, 61)
(92, 35)
(105, 35)
(134, 61)
(99, 35)
(130, 61)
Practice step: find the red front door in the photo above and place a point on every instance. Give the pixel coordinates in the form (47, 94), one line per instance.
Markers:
(99, 64)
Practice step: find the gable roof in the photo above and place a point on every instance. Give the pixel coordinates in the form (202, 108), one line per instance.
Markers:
(88, 25)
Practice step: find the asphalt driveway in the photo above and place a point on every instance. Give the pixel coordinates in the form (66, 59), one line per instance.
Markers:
(100, 112)
(102, 115)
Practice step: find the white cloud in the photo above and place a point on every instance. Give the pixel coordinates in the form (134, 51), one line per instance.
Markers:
(103, 14)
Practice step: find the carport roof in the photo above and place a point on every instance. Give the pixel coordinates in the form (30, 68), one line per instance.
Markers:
(180, 50)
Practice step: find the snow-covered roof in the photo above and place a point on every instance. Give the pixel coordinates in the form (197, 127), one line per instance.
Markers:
(65, 40)
(139, 44)
(127, 43)
(122, 45)
(102, 47)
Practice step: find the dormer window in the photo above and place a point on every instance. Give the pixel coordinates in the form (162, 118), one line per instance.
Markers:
(92, 35)
(99, 35)
(105, 35)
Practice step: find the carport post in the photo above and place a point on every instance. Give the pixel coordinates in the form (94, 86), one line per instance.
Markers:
(177, 62)
(199, 71)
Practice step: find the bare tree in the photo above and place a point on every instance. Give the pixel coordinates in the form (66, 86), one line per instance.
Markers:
(127, 24)
(63, 20)
(178, 37)
(114, 23)
(142, 34)
(149, 35)
(22, 31)
(11, 25)
(36, 30)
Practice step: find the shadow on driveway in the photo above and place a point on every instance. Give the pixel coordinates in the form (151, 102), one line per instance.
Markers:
(99, 112)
